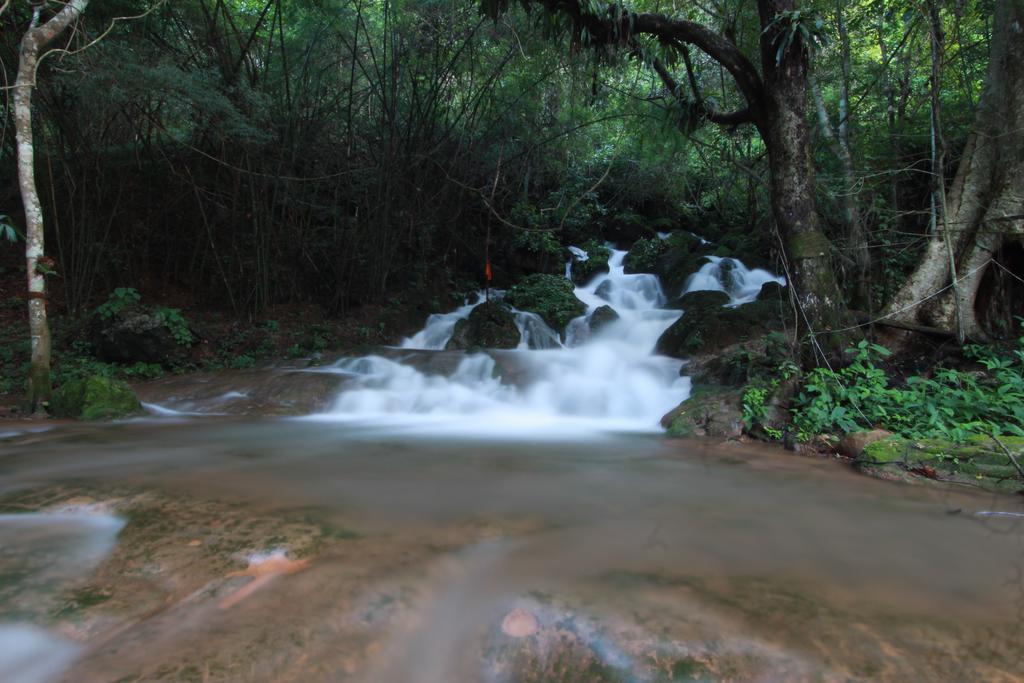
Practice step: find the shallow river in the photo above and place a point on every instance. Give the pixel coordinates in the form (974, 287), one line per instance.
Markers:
(432, 516)
(284, 549)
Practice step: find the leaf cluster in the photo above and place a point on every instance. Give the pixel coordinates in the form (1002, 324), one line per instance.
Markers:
(951, 404)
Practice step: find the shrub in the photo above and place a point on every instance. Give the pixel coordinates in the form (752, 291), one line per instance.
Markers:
(952, 404)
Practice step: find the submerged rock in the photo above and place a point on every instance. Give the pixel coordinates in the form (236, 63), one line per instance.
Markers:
(707, 413)
(95, 398)
(549, 296)
(491, 325)
(707, 325)
(981, 461)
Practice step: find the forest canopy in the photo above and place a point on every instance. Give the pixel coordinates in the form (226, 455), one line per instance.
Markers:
(242, 154)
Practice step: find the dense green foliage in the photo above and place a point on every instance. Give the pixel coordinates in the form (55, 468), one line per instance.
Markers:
(242, 156)
(951, 404)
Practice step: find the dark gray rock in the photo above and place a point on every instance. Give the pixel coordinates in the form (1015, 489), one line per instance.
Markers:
(708, 326)
(603, 315)
(491, 325)
(135, 335)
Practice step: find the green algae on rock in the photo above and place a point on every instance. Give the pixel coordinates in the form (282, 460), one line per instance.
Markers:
(708, 412)
(95, 398)
(981, 460)
(550, 296)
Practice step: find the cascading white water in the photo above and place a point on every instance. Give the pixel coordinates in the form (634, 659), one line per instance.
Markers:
(438, 330)
(610, 380)
(729, 275)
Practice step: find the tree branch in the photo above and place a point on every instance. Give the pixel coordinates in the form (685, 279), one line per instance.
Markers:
(745, 115)
(617, 26)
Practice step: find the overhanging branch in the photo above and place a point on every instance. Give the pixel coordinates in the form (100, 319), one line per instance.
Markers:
(617, 26)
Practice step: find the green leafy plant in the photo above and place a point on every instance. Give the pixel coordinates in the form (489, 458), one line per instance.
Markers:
(120, 299)
(797, 29)
(143, 370)
(175, 323)
(242, 361)
(951, 404)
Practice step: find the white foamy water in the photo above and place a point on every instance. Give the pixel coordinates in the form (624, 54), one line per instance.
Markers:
(438, 330)
(729, 275)
(53, 548)
(29, 654)
(609, 381)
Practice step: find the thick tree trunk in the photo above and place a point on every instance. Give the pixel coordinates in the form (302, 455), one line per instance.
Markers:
(985, 205)
(784, 127)
(32, 44)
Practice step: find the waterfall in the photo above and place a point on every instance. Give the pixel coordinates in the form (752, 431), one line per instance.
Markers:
(729, 275)
(592, 382)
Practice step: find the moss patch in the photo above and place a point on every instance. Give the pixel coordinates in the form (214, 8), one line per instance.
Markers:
(707, 325)
(490, 325)
(549, 296)
(708, 412)
(979, 460)
(95, 398)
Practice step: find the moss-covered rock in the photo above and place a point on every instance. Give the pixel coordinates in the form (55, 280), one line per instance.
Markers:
(683, 256)
(95, 398)
(981, 460)
(491, 325)
(707, 325)
(549, 296)
(596, 263)
(602, 316)
(643, 256)
(753, 360)
(708, 412)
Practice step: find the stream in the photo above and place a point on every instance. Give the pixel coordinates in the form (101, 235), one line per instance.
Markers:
(429, 516)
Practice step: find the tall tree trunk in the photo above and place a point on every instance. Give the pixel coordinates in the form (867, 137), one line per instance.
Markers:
(784, 128)
(985, 204)
(33, 43)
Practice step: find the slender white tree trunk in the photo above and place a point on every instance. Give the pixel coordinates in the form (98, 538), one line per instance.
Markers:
(33, 43)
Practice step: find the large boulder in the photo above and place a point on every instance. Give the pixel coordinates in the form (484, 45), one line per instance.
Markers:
(707, 325)
(712, 412)
(95, 398)
(602, 316)
(751, 360)
(491, 325)
(643, 256)
(852, 445)
(138, 335)
(549, 296)
(683, 256)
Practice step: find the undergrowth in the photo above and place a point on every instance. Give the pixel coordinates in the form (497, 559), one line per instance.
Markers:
(949, 404)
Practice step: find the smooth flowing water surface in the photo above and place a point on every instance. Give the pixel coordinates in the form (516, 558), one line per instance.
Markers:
(284, 550)
(428, 516)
